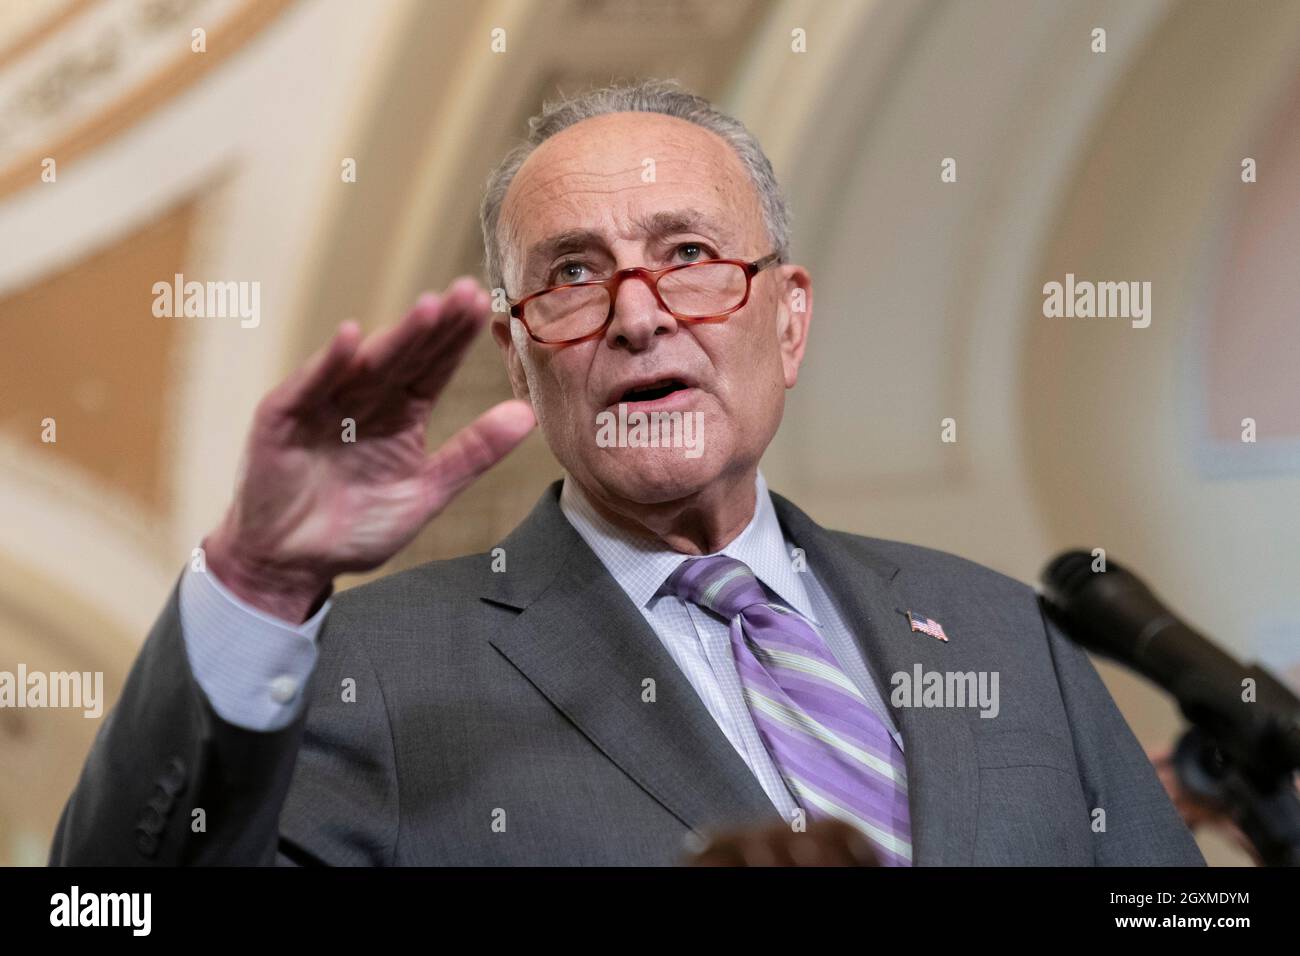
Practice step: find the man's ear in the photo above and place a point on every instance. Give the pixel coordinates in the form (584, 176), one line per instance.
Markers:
(793, 316)
(510, 355)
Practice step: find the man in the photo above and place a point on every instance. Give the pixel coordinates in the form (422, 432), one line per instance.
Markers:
(663, 649)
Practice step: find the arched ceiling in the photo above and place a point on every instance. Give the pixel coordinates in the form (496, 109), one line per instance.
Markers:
(86, 71)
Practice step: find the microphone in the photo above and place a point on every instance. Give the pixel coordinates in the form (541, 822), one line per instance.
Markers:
(1114, 614)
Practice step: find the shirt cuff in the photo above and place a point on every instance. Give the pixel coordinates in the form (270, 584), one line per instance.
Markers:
(252, 666)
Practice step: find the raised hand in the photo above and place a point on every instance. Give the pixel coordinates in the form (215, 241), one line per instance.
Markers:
(309, 504)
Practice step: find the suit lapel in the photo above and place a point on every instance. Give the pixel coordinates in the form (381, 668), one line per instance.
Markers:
(942, 773)
(588, 649)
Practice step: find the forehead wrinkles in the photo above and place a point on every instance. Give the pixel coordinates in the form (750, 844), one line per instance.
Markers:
(624, 212)
(546, 193)
(619, 144)
(560, 186)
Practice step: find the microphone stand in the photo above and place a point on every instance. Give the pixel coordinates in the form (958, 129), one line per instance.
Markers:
(1261, 800)
(1244, 759)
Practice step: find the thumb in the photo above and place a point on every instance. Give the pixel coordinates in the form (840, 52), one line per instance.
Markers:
(473, 450)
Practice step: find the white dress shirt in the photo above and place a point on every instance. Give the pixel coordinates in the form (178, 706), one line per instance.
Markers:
(699, 641)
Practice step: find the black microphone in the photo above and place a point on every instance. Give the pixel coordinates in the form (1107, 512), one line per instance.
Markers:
(1114, 614)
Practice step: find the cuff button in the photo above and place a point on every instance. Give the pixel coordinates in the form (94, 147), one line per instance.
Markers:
(284, 689)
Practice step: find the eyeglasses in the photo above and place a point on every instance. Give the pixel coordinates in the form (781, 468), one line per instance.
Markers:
(704, 291)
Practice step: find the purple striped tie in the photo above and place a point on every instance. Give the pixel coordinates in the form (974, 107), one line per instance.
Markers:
(834, 752)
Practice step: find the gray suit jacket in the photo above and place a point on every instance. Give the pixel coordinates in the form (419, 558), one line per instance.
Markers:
(499, 719)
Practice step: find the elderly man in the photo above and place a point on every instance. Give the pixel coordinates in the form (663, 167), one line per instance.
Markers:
(663, 650)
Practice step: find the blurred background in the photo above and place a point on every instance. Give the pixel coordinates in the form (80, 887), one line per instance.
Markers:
(226, 165)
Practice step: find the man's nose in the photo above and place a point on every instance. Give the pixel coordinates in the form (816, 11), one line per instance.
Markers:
(638, 317)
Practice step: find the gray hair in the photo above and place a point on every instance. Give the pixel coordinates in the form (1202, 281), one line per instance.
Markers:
(647, 96)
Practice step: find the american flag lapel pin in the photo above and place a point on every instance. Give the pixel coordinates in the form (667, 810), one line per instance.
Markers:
(926, 625)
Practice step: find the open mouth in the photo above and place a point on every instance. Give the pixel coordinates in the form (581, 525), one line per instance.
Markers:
(655, 390)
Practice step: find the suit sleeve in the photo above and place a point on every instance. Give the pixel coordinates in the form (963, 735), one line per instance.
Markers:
(1142, 826)
(168, 781)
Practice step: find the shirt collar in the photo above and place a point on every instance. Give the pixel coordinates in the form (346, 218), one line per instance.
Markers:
(641, 565)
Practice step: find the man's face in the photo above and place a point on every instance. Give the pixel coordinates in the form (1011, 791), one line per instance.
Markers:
(644, 189)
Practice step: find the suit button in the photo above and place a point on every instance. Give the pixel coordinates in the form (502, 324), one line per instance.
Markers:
(151, 819)
(161, 802)
(173, 780)
(146, 843)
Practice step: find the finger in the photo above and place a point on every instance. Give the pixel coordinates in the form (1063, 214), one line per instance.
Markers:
(734, 848)
(428, 370)
(862, 850)
(844, 845)
(465, 308)
(775, 846)
(421, 322)
(312, 383)
(416, 359)
(474, 449)
(814, 848)
(830, 843)
(399, 352)
(769, 846)
(718, 854)
(436, 331)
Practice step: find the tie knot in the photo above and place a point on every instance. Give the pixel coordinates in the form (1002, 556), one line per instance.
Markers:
(719, 583)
